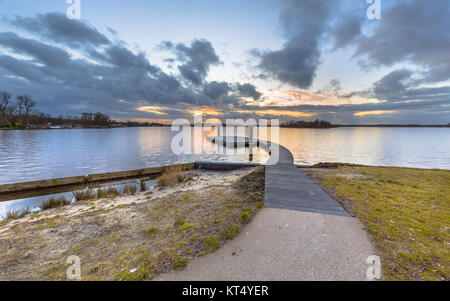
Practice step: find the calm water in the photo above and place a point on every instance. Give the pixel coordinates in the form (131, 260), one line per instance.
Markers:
(35, 155)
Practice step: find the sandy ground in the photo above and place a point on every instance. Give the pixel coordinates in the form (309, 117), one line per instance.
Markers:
(136, 236)
(203, 180)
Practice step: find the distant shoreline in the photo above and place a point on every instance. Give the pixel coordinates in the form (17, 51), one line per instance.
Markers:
(281, 126)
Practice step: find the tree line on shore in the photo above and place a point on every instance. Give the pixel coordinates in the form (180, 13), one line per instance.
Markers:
(12, 113)
(22, 114)
(316, 124)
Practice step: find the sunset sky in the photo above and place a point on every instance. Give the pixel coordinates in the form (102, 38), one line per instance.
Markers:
(285, 59)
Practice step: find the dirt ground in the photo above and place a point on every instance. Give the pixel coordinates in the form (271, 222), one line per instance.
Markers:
(133, 237)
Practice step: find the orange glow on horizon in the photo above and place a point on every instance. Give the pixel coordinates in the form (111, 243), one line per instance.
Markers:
(211, 112)
(150, 120)
(376, 112)
(152, 109)
(277, 113)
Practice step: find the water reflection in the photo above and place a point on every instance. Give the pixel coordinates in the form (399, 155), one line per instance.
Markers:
(409, 147)
(36, 155)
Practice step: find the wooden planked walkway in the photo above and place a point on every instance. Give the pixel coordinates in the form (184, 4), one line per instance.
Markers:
(287, 187)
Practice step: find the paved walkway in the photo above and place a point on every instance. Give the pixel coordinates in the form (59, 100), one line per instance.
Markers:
(301, 234)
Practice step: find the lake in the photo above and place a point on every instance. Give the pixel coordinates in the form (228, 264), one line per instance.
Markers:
(36, 155)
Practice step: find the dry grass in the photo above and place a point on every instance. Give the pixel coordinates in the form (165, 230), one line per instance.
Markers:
(55, 203)
(143, 186)
(107, 192)
(16, 214)
(129, 189)
(406, 211)
(173, 175)
(84, 195)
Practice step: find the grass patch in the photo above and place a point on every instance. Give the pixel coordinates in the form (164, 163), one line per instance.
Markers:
(129, 189)
(185, 227)
(143, 186)
(55, 203)
(84, 195)
(244, 218)
(180, 262)
(211, 243)
(230, 231)
(142, 273)
(108, 192)
(173, 175)
(406, 211)
(179, 221)
(151, 231)
(16, 214)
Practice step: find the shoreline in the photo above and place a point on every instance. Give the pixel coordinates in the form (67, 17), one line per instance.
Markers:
(281, 126)
(36, 185)
(56, 186)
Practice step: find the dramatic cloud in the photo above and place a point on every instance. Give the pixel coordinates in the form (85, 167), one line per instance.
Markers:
(196, 59)
(398, 91)
(347, 31)
(110, 77)
(304, 23)
(216, 90)
(58, 28)
(415, 31)
(392, 86)
(248, 90)
(69, 66)
(46, 54)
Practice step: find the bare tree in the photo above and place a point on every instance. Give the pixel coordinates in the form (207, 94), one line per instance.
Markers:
(26, 103)
(4, 101)
(10, 112)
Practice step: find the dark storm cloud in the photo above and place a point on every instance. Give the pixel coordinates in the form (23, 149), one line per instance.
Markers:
(398, 89)
(216, 90)
(196, 59)
(46, 54)
(248, 90)
(122, 57)
(304, 23)
(393, 86)
(347, 31)
(22, 69)
(58, 28)
(415, 31)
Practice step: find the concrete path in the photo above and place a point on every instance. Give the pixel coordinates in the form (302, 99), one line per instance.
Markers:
(286, 245)
(301, 234)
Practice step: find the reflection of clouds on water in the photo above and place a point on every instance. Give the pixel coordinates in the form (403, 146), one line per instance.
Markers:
(408, 147)
(155, 148)
(37, 155)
